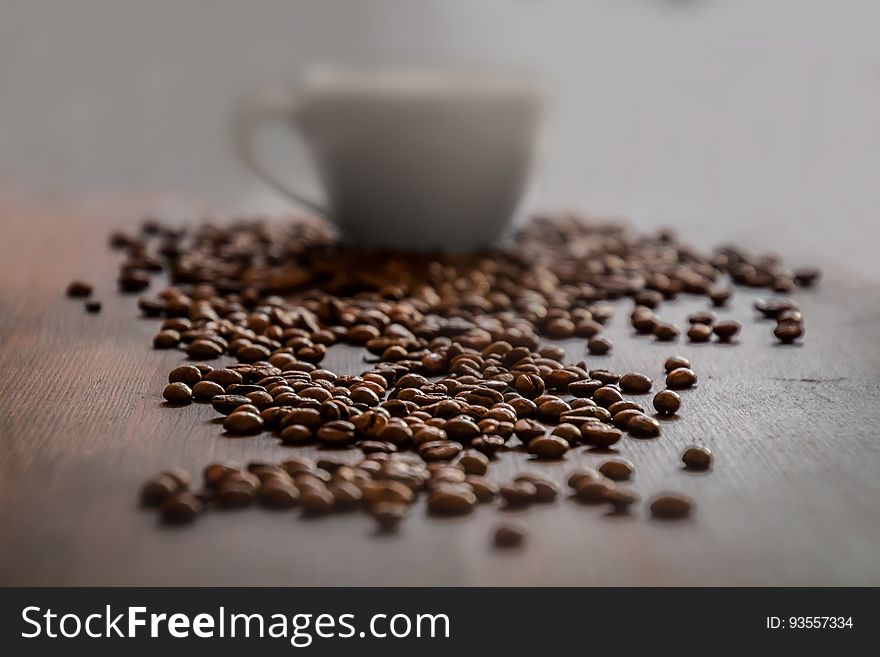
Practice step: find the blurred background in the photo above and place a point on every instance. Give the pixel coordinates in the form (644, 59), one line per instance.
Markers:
(715, 116)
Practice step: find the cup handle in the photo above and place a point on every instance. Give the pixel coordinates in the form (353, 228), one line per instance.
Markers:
(251, 114)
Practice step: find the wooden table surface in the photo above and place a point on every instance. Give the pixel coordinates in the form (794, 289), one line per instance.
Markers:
(794, 497)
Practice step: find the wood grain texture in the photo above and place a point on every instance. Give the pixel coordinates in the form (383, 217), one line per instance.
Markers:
(794, 497)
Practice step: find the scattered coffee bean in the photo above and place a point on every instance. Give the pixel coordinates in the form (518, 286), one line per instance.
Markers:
(671, 507)
(510, 535)
(697, 458)
(635, 384)
(188, 374)
(699, 333)
(642, 426)
(617, 469)
(681, 378)
(599, 345)
(675, 362)
(788, 331)
(727, 330)
(388, 515)
(93, 307)
(667, 402)
(243, 422)
(79, 289)
(177, 393)
(181, 508)
(548, 447)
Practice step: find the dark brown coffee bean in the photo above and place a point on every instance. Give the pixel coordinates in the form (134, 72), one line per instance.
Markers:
(527, 429)
(488, 444)
(205, 391)
(674, 362)
(317, 501)
(548, 447)
(93, 307)
(621, 500)
(671, 507)
(702, 317)
(178, 394)
(204, 350)
(226, 404)
(580, 477)
(606, 395)
(665, 332)
(448, 502)
(345, 494)
(642, 426)
(594, 491)
(388, 515)
(529, 385)
(667, 402)
(584, 388)
(79, 289)
(188, 374)
(617, 469)
(635, 383)
(233, 493)
(621, 418)
(599, 345)
(181, 508)
(296, 434)
(519, 493)
(279, 495)
(473, 462)
(224, 377)
(167, 339)
(699, 333)
(772, 308)
(546, 490)
(439, 450)
(726, 331)
(788, 331)
(377, 446)
(158, 489)
(243, 422)
(483, 489)
(624, 405)
(510, 535)
(697, 458)
(337, 433)
(598, 434)
(806, 276)
(387, 491)
(462, 429)
(570, 433)
(682, 377)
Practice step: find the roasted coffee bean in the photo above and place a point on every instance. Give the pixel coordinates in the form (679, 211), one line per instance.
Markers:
(580, 477)
(806, 276)
(510, 535)
(488, 444)
(279, 495)
(548, 447)
(178, 393)
(702, 317)
(451, 502)
(473, 462)
(671, 507)
(772, 308)
(158, 489)
(519, 493)
(617, 469)
(205, 391)
(483, 489)
(594, 491)
(665, 332)
(233, 493)
(606, 396)
(621, 418)
(93, 307)
(546, 490)
(788, 332)
(527, 429)
(387, 491)
(337, 433)
(224, 377)
(642, 426)
(529, 385)
(377, 446)
(204, 350)
(462, 429)
(667, 402)
(388, 515)
(181, 508)
(226, 404)
(79, 289)
(635, 383)
(296, 434)
(439, 450)
(166, 339)
(697, 458)
(599, 345)
(570, 433)
(624, 405)
(681, 378)
(699, 333)
(345, 493)
(621, 500)
(317, 501)
(598, 434)
(674, 362)
(243, 422)
(726, 331)
(584, 388)
(188, 374)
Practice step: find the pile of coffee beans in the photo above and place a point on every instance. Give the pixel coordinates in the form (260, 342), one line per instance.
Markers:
(458, 367)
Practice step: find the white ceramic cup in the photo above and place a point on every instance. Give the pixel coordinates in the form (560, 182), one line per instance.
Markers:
(413, 160)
